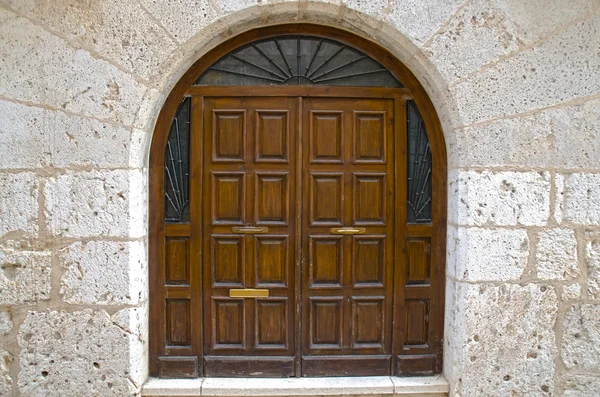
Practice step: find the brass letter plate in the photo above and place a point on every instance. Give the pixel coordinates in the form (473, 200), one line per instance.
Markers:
(248, 293)
(347, 230)
(250, 229)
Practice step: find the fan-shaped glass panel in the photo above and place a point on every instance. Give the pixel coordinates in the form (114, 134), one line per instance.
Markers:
(418, 167)
(298, 60)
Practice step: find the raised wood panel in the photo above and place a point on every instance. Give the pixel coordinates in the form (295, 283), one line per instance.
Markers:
(416, 322)
(229, 323)
(368, 320)
(228, 204)
(368, 261)
(369, 137)
(178, 367)
(272, 136)
(271, 319)
(271, 261)
(178, 322)
(177, 260)
(326, 193)
(229, 136)
(228, 260)
(346, 365)
(326, 137)
(325, 314)
(272, 199)
(370, 199)
(418, 252)
(325, 256)
(249, 366)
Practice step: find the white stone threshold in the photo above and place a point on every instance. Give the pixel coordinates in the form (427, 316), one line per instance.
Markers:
(425, 386)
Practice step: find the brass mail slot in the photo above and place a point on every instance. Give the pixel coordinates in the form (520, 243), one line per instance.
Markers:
(248, 293)
(347, 230)
(250, 229)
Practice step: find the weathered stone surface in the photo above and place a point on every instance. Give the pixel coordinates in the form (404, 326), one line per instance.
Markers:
(510, 344)
(375, 8)
(571, 291)
(32, 137)
(580, 386)
(19, 203)
(580, 201)
(103, 272)
(85, 352)
(555, 71)
(501, 198)
(592, 261)
(59, 76)
(556, 254)
(566, 137)
(5, 322)
(477, 254)
(5, 378)
(581, 337)
(96, 203)
(24, 277)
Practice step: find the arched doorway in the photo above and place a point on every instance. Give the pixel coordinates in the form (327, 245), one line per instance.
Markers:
(297, 225)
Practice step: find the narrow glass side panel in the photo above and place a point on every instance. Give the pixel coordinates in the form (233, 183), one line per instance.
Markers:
(177, 167)
(418, 167)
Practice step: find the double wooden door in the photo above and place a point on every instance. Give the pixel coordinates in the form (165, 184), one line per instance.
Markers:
(299, 228)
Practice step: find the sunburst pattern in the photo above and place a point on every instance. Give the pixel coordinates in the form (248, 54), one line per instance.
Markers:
(419, 168)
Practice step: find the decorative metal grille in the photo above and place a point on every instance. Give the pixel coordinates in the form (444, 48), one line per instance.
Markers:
(177, 166)
(298, 60)
(419, 167)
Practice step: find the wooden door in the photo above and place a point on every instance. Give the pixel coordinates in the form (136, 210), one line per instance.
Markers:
(249, 229)
(347, 236)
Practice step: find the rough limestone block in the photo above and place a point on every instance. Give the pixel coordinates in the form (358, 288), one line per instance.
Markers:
(5, 322)
(5, 378)
(375, 8)
(24, 277)
(19, 203)
(477, 254)
(501, 198)
(566, 137)
(509, 344)
(580, 201)
(557, 70)
(118, 30)
(96, 203)
(581, 337)
(82, 353)
(556, 254)
(32, 137)
(571, 292)
(59, 76)
(103, 272)
(580, 386)
(592, 260)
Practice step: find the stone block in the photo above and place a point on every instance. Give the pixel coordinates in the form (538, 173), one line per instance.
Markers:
(477, 254)
(499, 198)
(592, 262)
(509, 344)
(6, 323)
(563, 137)
(555, 71)
(556, 255)
(19, 204)
(571, 292)
(96, 203)
(581, 337)
(82, 353)
(580, 386)
(60, 76)
(5, 378)
(580, 199)
(103, 272)
(24, 277)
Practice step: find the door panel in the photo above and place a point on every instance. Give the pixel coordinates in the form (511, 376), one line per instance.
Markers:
(347, 279)
(250, 235)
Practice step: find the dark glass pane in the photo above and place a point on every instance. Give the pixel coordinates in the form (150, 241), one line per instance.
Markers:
(177, 167)
(298, 60)
(419, 167)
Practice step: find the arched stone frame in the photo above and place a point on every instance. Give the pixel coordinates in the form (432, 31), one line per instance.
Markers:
(417, 94)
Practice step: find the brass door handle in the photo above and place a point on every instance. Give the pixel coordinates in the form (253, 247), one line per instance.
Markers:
(347, 230)
(248, 293)
(250, 229)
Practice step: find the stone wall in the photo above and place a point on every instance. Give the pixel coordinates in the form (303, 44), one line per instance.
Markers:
(516, 85)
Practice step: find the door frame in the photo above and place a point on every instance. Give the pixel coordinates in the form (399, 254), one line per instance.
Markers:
(167, 365)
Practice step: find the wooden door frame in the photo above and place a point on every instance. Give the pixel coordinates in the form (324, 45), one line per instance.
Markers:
(163, 366)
